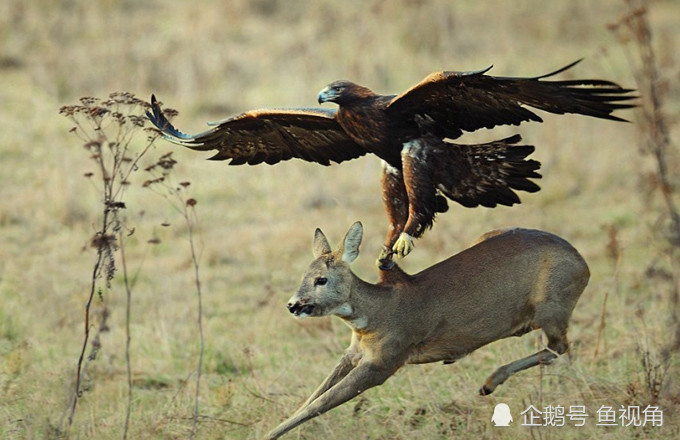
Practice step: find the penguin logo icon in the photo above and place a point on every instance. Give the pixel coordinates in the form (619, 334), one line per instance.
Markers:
(501, 415)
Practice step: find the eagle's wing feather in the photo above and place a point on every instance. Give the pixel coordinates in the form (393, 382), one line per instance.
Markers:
(476, 174)
(467, 101)
(268, 135)
(486, 174)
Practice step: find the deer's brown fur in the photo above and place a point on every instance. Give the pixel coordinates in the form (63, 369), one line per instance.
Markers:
(509, 283)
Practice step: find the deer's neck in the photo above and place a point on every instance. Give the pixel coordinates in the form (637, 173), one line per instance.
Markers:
(365, 302)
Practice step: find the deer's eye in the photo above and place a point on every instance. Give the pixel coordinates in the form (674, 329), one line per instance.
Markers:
(320, 281)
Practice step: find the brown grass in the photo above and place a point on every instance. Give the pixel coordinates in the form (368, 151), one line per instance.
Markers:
(256, 223)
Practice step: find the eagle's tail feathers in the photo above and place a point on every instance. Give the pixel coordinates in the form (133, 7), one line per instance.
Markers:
(486, 174)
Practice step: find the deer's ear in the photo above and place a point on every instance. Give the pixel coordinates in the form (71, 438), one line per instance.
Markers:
(320, 245)
(349, 250)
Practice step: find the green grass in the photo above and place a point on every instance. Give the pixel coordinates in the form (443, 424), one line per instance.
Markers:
(256, 223)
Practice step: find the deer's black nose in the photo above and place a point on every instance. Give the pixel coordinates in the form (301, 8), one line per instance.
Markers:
(298, 308)
(294, 307)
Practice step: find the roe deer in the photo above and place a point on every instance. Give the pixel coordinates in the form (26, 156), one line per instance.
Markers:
(509, 283)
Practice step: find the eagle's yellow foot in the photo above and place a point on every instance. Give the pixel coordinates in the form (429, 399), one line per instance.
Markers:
(404, 245)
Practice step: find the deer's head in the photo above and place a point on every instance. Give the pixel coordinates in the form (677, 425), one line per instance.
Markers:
(326, 286)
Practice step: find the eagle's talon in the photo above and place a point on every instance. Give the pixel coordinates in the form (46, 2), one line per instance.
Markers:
(385, 254)
(385, 263)
(384, 260)
(404, 245)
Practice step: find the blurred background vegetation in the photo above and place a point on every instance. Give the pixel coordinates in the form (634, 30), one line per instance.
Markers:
(216, 58)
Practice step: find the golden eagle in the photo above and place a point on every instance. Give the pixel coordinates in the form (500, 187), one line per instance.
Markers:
(412, 133)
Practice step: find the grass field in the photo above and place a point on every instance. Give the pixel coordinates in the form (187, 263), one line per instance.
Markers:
(255, 224)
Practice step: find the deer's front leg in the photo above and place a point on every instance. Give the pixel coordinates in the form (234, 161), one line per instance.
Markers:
(346, 364)
(366, 375)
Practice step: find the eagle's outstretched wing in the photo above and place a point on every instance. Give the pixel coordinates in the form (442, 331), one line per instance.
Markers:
(269, 136)
(467, 101)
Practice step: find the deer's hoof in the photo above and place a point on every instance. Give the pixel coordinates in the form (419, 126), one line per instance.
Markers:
(485, 391)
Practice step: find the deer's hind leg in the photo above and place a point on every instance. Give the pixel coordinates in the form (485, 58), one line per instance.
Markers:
(552, 313)
(557, 345)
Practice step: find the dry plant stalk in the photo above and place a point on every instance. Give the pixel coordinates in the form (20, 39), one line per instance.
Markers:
(635, 34)
(107, 128)
(634, 27)
(615, 253)
(162, 183)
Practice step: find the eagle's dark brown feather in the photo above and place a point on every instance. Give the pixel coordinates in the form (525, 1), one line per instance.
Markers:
(468, 101)
(479, 174)
(268, 136)
(486, 174)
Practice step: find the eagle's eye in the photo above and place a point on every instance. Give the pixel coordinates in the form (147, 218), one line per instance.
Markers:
(338, 89)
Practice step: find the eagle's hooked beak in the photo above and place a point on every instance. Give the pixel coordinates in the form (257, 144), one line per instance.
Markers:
(328, 94)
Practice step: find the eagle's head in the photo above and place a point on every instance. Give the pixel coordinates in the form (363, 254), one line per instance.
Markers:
(343, 92)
